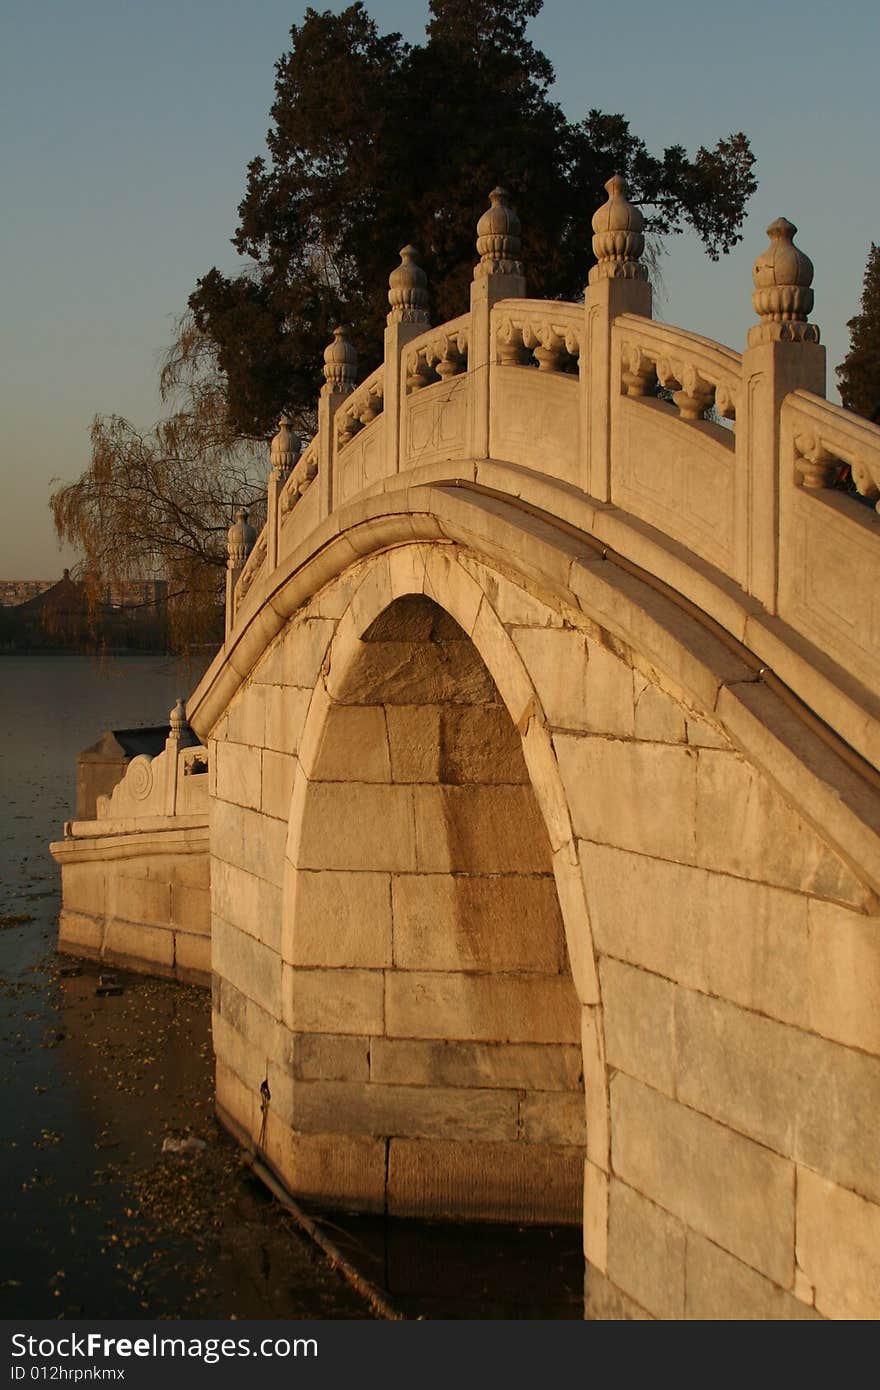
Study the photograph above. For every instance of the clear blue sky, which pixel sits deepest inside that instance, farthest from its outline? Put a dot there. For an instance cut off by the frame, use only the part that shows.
(126, 129)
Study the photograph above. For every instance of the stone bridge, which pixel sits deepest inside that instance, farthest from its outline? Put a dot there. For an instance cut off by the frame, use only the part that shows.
(541, 813)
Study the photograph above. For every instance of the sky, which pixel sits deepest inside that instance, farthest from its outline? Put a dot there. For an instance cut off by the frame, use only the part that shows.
(126, 129)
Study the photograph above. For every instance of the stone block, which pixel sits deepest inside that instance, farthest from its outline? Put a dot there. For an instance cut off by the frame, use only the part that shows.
(721, 1288)
(247, 902)
(844, 975)
(191, 908)
(503, 660)
(809, 1099)
(304, 645)
(577, 930)
(703, 735)
(354, 746)
(326, 1057)
(414, 742)
(279, 770)
(239, 774)
(472, 922)
(341, 919)
(192, 957)
(246, 717)
(725, 936)
(478, 743)
(838, 1247)
(596, 1186)
(657, 717)
(347, 1170)
(140, 900)
(514, 605)
(286, 710)
(192, 869)
(549, 793)
(605, 1302)
(252, 967)
(596, 1087)
(357, 826)
(455, 1181)
(489, 1008)
(238, 1054)
(493, 830)
(637, 796)
(125, 941)
(744, 827)
(450, 585)
(336, 1001)
(417, 1112)
(85, 888)
(639, 1013)
(267, 1035)
(79, 932)
(557, 662)
(728, 1188)
(231, 1003)
(553, 1117)
(512, 1066)
(234, 1100)
(248, 840)
(646, 1252)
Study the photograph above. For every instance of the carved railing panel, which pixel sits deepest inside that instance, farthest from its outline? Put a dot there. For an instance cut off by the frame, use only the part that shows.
(364, 405)
(437, 355)
(536, 332)
(698, 371)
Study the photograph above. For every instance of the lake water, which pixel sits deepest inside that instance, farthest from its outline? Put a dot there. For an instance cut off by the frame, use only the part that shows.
(97, 1221)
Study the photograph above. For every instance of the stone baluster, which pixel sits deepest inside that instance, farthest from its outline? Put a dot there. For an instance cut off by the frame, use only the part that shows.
(284, 452)
(618, 284)
(783, 355)
(180, 735)
(498, 275)
(407, 318)
(340, 375)
(239, 544)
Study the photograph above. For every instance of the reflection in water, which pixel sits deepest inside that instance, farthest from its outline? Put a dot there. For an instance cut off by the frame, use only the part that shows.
(98, 1221)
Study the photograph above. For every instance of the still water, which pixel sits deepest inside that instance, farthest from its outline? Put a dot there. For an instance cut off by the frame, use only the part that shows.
(96, 1221)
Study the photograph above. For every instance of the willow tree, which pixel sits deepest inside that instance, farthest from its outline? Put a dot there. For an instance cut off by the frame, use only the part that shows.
(376, 143)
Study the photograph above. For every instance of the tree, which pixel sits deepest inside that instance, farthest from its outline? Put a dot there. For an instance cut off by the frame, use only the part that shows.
(374, 143)
(859, 373)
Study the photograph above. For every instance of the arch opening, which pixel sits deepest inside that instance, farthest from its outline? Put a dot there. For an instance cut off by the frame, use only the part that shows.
(436, 1047)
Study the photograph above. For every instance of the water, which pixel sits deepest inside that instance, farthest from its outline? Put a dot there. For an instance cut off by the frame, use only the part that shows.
(97, 1221)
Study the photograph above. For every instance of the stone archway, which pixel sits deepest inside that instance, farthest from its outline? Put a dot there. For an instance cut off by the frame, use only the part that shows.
(436, 1033)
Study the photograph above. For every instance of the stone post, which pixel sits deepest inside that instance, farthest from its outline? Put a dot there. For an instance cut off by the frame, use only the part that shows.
(180, 736)
(783, 355)
(618, 284)
(239, 544)
(340, 368)
(407, 319)
(499, 275)
(284, 451)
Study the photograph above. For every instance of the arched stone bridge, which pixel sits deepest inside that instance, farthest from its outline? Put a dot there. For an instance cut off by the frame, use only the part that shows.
(543, 753)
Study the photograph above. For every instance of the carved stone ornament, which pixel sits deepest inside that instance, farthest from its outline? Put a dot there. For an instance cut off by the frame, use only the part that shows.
(408, 290)
(498, 239)
(340, 363)
(782, 297)
(618, 239)
(638, 375)
(240, 539)
(813, 463)
(285, 448)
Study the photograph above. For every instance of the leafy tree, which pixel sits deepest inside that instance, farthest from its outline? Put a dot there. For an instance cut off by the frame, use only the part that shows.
(374, 143)
(859, 373)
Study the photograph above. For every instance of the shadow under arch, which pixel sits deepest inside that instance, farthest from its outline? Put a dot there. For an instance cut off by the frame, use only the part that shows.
(491, 1029)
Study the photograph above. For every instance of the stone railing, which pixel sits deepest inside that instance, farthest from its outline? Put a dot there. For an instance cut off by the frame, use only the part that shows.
(699, 372)
(437, 355)
(363, 406)
(537, 332)
(558, 405)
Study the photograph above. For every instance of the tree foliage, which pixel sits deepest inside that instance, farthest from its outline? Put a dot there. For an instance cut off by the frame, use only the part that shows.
(376, 143)
(859, 373)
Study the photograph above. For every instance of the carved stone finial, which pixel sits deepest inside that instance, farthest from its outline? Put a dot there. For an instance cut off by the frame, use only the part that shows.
(340, 363)
(782, 298)
(177, 718)
(408, 290)
(240, 539)
(618, 239)
(498, 239)
(285, 448)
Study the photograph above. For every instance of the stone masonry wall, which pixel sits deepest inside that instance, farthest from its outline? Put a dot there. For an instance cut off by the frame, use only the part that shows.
(726, 959)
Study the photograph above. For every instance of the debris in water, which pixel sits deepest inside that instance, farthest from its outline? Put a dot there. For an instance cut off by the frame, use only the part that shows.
(172, 1145)
(108, 984)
